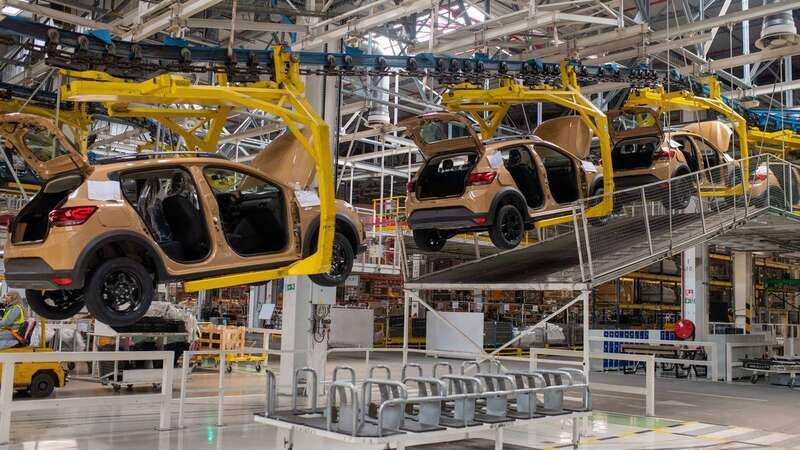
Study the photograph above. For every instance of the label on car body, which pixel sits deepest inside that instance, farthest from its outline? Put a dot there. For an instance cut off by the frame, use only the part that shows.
(495, 160)
(306, 199)
(104, 190)
(588, 166)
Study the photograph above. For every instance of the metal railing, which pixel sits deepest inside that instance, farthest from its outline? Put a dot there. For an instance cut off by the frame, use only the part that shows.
(665, 217)
(8, 405)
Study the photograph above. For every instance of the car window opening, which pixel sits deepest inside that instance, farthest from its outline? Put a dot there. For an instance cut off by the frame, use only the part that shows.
(252, 211)
(446, 175)
(519, 164)
(168, 203)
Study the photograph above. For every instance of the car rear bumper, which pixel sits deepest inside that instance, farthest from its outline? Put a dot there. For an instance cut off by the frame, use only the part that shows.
(454, 217)
(34, 273)
(634, 181)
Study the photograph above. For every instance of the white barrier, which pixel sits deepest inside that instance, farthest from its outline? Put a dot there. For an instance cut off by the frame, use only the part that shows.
(8, 405)
(649, 391)
(220, 389)
(712, 352)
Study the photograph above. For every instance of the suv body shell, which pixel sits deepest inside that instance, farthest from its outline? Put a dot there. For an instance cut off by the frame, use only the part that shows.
(67, 252)
(695, 147)
(479, 203)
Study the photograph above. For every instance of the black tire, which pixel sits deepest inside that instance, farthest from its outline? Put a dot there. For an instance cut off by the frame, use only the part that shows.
(71, 366)
(228, 369)
(42, 385)
(119, 292)
(258, 367)
(430, 240)
(776, 197)
(598, 221)
(681, 193)
(508, 228)
(55, 305)
(341, 263)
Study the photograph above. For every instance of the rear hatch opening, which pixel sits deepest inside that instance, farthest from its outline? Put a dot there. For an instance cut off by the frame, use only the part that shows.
(32, 223)
(636, 153)
(445, 175)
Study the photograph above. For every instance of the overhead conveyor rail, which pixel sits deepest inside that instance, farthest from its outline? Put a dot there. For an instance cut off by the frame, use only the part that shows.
(649, 223)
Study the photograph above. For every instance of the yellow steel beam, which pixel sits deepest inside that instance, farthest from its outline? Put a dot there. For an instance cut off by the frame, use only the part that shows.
(776, 142)
(282, 97)
(489, 106)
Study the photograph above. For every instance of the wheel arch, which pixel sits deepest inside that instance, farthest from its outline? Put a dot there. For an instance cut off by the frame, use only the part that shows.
(343, 225)
(120, 242)
(509, 195)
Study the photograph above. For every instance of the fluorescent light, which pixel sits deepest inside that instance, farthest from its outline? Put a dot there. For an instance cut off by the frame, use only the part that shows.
(10, 11)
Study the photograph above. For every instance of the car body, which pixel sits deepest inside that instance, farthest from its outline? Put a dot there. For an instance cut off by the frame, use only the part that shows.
(159, 219)
(643, 153)
(500, 186)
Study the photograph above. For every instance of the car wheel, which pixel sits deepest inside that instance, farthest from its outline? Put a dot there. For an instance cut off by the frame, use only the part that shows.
(342, 259)
(681, 194)
(42, 385)
(430, 240)
(508, 228)
(777, 198)
(598, 221)
(119, 292)
(55, 305)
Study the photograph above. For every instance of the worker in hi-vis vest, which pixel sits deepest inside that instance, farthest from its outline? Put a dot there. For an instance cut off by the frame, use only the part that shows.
(13, 318)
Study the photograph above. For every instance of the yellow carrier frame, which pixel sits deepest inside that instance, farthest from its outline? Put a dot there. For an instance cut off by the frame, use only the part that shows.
(282, 97)
(667, 102)
(489, 106)
(778, 143)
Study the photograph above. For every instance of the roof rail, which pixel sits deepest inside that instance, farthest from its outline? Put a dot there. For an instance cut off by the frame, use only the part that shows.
(154, 155)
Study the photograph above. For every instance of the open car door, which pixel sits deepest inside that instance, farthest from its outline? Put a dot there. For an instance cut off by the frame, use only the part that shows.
(439, 133)
(714, 131)
(570, 133)
(42, 145)
(637, 121)
(286, 159)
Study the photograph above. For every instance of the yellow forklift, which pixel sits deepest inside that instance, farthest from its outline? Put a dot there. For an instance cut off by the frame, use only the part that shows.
(38, 379)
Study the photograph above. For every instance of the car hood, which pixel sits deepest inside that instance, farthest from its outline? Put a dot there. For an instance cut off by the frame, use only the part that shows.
(285, 159)
(714, 131)
(570, 133)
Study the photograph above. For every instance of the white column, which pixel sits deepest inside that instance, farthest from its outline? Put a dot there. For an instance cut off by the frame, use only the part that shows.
(300, 297)
(695, 289)
(742, 288)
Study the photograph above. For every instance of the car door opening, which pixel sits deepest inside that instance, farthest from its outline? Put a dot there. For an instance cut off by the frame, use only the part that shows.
(252, 211)
(519, 163)
(168, 203)
(562, 176)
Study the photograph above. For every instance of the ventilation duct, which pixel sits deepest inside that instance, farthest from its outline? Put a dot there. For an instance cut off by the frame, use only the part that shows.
(378, 89)
(779, 30)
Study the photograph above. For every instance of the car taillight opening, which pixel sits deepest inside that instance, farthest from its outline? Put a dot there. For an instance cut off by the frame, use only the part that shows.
(665, 155)
(411, 186)
(66, 217)
(477, 178)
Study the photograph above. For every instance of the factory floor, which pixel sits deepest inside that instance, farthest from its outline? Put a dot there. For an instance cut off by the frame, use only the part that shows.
(691, 414)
